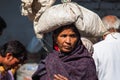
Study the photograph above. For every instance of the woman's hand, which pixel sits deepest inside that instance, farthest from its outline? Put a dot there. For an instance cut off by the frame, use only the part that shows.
(59, 77)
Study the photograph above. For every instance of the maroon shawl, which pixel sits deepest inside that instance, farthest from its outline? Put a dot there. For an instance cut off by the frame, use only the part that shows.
(77, 65)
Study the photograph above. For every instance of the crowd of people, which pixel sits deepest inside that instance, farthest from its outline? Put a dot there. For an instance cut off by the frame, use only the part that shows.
(72, 58)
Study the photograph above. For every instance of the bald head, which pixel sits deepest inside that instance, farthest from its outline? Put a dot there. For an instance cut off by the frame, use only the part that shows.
(111, 21)
(110, 18)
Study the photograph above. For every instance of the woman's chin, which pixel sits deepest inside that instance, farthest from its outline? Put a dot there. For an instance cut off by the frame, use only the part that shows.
(66, 50)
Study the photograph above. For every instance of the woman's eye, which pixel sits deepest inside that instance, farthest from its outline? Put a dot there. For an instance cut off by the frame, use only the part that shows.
(73, 36)
(63, 35)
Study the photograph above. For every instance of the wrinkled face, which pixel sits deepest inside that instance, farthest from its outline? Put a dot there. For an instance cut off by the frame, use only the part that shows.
(66, 40)
(10, 62)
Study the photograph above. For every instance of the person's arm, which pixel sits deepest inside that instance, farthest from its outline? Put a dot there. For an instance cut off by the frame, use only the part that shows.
(60, 77)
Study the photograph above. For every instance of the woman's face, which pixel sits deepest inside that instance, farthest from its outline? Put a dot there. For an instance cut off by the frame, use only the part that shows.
(66, 40)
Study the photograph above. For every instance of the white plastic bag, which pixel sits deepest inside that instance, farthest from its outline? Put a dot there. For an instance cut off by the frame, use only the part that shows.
(26, 71)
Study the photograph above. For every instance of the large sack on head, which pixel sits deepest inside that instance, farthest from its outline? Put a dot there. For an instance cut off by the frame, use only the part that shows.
(62, 14)
(56, 16)
(92, 24)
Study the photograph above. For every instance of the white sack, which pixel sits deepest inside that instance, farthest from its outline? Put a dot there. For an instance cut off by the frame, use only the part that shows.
(92, 24)
(34, 8)
(67, 13)
(56, 16)
(88, 44)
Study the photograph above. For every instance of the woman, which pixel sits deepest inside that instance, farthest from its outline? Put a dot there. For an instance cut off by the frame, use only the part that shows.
(69, 58)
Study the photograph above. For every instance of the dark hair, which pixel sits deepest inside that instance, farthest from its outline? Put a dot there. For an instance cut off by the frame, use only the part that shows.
(69, 26)
(59, 30)
(16, 48)
(2, 24)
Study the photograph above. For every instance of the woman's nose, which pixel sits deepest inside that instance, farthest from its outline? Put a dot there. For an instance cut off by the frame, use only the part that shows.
(68, 39)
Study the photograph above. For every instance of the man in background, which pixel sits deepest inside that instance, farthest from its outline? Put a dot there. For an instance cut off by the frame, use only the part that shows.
(107, 52)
